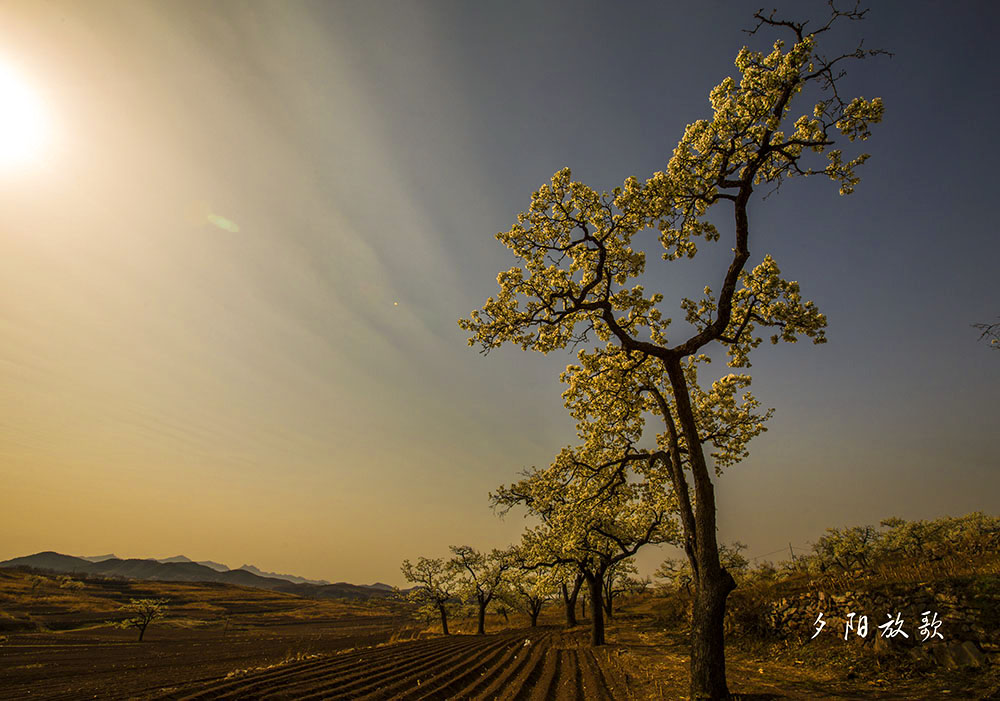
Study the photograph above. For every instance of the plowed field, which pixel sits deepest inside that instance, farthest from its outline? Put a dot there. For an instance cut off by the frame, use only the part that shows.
(519, 665)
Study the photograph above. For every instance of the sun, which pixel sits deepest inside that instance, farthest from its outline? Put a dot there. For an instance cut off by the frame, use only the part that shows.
(23, 122)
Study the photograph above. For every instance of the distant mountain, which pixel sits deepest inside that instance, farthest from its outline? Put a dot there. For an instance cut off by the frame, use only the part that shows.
(217, 566)
(379, 585)
(287, 577)
(187, 571)
(99, 558)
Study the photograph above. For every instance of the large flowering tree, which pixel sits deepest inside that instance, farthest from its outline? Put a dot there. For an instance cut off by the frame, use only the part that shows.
(577, 276)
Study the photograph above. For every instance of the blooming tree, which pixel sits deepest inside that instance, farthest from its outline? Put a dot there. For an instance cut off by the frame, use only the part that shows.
(529, 589)
(141, 612)
(577, 275)
(480, 576)
(617, 580)
(591, 519)
(436, 585)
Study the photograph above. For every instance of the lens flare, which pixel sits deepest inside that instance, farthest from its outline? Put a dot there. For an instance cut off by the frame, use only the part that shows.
(23, 121)
(223, 223)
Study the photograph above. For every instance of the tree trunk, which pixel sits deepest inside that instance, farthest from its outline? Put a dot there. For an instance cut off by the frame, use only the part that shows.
(608, 609)
(597, 617)
(583, 607)
(482, 619)
(570, 600)
(444, 619)
(708, 656)
(142, 632)
(712, 582)
(534, 615)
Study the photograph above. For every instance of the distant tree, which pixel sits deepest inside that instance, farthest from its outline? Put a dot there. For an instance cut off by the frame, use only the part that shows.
(678, 572)
(480, 576)
(38, 583)
(617, 580)
(435, 582)
(141, 612)
(67, 582)
(640, 585)
(847, 548)
(973, 534)
(529, 589)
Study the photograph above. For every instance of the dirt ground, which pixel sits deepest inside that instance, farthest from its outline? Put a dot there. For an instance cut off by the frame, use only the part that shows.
(552, 663)
(111, 664)
(763, 673)
(236, 643)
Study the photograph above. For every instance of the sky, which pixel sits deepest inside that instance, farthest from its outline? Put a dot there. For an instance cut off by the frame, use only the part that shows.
(231, 270)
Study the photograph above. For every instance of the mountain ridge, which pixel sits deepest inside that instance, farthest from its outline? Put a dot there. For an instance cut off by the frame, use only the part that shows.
(186, 570)
(289, 577)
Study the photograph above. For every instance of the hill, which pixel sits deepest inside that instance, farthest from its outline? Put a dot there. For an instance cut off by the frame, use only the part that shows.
(288, 577)
(217, 566)
(188, 571)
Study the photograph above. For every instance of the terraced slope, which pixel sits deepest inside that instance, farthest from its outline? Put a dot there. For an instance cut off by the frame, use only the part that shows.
(513, 666)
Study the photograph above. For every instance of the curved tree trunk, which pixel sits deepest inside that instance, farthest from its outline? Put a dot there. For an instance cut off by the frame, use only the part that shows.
(444, 618)
(142, 632)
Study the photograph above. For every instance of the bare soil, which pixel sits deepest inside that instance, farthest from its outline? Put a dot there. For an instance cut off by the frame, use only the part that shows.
(229, 642)
(528, 664)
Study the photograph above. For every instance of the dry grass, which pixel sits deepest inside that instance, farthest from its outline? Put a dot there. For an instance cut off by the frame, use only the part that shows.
(31, 601)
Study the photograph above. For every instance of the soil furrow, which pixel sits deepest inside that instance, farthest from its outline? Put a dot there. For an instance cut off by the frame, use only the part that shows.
(512, 678)
(520, 689)
(307, 673)
(358, 683)
(461, 679)
(376, 660)
(544, 687)
(218, 690)
(577, 682)
(515, 658)
(595, 686)
(410, 687)
(539, 687)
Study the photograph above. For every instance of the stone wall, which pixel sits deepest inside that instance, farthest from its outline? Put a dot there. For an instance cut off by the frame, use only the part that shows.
(968, 610)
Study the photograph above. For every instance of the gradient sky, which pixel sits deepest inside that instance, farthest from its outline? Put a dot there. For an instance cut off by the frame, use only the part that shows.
(229, 284)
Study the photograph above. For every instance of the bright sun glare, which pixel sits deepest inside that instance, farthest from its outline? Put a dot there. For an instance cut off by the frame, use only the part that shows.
(23, 122)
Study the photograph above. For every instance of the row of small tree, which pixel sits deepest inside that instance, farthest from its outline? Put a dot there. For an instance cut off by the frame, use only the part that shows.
(510, 578)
